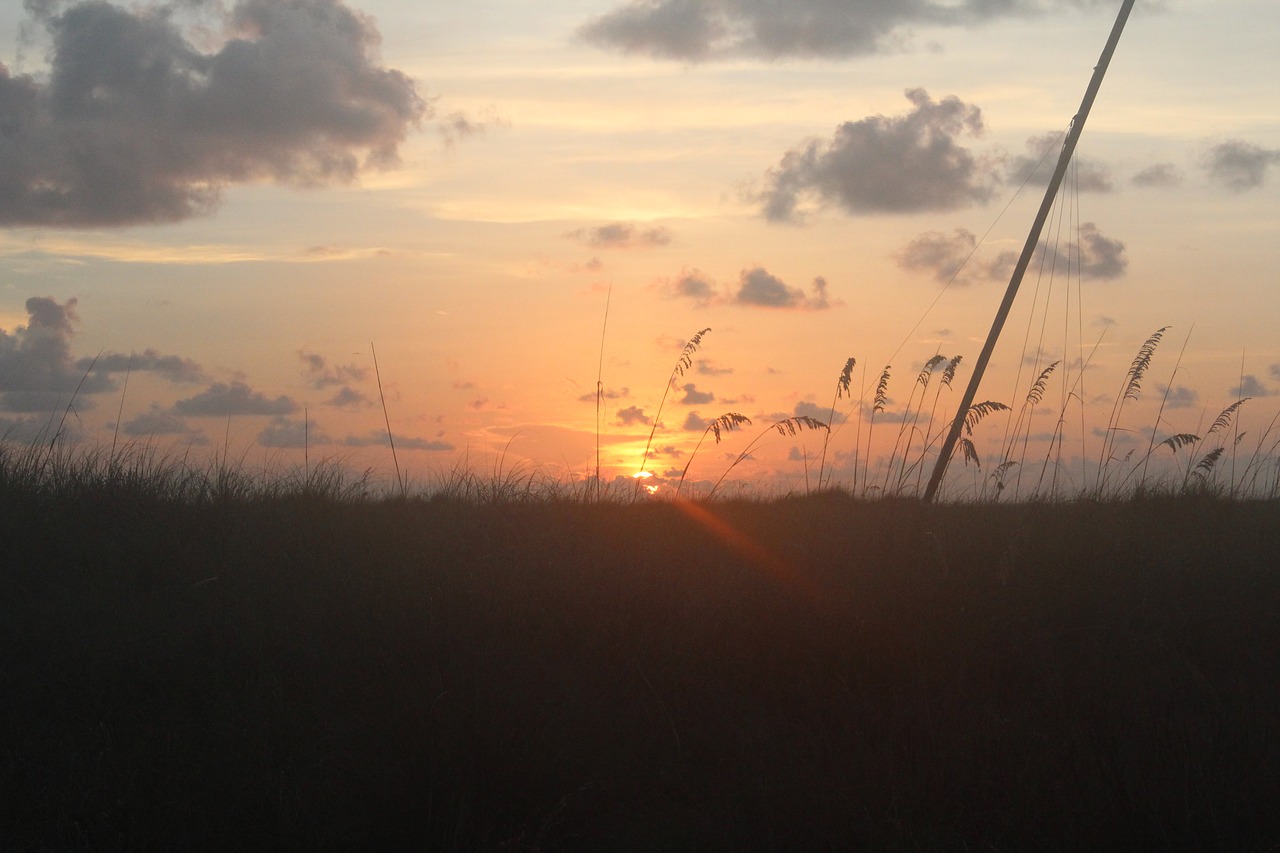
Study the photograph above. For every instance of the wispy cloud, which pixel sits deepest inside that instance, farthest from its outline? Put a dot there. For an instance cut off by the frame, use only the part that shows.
(622, 235)
(1158, 175)
(702, 30)
(378, 438)
(135, 123)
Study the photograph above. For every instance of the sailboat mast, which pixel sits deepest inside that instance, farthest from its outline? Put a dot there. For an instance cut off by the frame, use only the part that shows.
(1002, 314)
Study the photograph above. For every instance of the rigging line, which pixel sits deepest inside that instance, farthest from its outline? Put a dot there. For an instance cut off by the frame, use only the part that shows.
(1002, 313)
(1066, 333)
(981, 241)
(1068, 211)
(1007, 441)
(1049, 261)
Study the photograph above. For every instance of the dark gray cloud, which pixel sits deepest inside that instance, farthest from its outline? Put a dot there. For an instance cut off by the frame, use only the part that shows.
(38, 372)
(607, 394)
(694, 422)
(633, 415)
(758, 288)
(1037, 165)
(378, 438)
(694, 397)
(321, 374)
(1239, 165)
(882, 164)
(622, 235)
(707, 367)
(222, 400)
(1158, 175)
(937, 253)
(173, 368)
(695, 285)
(291, 433)
(1178, 396)
(155, 422)
(134, 122)
(951, 258)
(1100, 256)
(699, 30)
(806, 409)
(1250, 386)
(349, 399)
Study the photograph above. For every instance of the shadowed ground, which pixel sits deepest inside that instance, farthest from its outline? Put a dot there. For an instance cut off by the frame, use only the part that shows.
(811, 673)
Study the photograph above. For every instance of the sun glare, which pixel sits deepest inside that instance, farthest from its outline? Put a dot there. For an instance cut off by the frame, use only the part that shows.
(640, 476)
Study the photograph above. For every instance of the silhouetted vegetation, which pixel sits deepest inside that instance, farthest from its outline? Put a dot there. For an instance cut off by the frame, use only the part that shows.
(201, 660)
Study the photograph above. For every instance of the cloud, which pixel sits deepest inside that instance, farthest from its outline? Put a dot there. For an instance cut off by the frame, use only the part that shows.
(633, 415)
(812, 410)
(37, 371)
(321, 374)
(940, 254)
(1178, 396)
(900, 164)
(457, 125)
(349, 399)
(223, 400)
(707, 367)
(693, 422)
(1100, 256)
(1037, 165)
(694, 397)
(1158, 175)
(695, 285)
(378, 438)
(285, 433)
(622, 235)
(156, 421)
(608, 394)
(39, 374)
(700, 30)
(1239, 165)
(950, 257)
(135, 123)
(172, 368)
(1250, 386)
(758, 288)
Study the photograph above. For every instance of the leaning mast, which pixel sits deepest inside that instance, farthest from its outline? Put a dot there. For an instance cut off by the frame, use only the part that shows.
(1033, 238)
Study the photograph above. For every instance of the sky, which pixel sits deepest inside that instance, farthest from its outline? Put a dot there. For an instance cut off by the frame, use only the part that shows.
(270, 228)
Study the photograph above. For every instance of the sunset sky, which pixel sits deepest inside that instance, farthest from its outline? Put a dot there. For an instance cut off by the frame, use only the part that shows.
(229, 202)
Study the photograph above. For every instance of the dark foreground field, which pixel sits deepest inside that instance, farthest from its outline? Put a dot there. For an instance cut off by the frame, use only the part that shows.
(807, 674)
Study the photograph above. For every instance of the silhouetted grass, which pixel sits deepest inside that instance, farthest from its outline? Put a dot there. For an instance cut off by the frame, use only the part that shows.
(202, 659)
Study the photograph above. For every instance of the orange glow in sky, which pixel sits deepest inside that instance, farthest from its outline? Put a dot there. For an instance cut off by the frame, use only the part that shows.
(467, 187)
